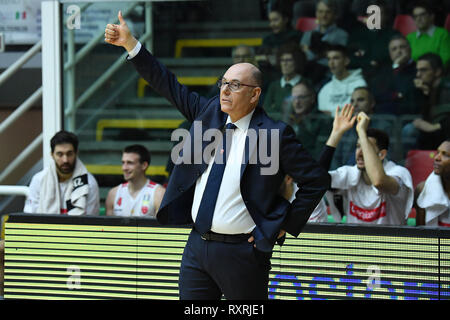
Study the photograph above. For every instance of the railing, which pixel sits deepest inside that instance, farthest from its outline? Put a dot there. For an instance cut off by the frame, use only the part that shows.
(72, 103)
(26, 105)
(14, 190)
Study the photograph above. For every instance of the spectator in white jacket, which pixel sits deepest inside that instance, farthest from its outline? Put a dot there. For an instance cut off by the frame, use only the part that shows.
(433, 201)
(338, 91)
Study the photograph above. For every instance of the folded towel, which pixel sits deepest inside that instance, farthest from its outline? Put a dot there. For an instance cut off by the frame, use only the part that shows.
(75, 195)
(433, 198)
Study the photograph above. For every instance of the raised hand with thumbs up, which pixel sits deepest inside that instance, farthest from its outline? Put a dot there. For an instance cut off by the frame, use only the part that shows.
(120, 35)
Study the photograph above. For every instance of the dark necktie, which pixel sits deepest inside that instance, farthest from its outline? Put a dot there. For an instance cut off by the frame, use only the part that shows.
(205, 213)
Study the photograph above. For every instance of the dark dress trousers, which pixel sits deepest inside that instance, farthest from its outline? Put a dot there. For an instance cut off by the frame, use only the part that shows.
(259, 191)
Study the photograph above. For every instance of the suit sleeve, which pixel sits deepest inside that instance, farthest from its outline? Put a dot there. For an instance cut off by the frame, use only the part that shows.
(312, 179)
(165, 83)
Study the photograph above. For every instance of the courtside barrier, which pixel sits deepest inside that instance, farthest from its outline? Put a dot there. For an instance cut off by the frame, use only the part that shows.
(61, 257)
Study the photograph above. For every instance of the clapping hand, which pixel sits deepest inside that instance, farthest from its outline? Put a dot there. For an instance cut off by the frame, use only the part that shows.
(362, 122)
(344, 119)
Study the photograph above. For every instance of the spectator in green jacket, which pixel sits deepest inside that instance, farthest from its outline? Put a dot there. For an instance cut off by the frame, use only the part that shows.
(291, 61)
(428, 37)
(311, 126)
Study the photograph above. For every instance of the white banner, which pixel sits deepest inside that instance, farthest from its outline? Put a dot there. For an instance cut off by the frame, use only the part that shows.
(20, 20)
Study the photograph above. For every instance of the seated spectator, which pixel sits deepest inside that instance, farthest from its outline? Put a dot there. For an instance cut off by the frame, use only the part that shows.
(315, 42)
(65, 186)
(363, 101)
(240, 53)
(367, 47)
(282, 34)
(309, 124)
(288, 189)
(291, 61)
(434, 124)
(433, 201)
(393, 85)
(243, 53)
(138, 196)
(270, 72)
(339, 89)
(375, 190)
(428, 37)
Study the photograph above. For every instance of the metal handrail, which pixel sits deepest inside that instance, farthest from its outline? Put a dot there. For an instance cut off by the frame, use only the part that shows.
(101, 80)
(15, 190)
(69, 66)
(20, 62)
(27, 104)
(93, 42)
(21, 157)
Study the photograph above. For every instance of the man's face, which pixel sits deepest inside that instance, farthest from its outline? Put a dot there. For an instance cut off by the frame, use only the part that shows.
(422, 18)
(132, 168)
(277, 22)
(302, 99)
(337, 62)
(361, 101)
(242, 54)
(325, 16)
(65, 157)
(399, 48)
(359, 157)
(442, 159)
(242, 101)
(425, 72)
(287, 64)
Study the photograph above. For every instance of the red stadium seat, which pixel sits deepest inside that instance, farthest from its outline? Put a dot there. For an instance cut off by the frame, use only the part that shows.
(306, 24)
(447, 23)
(405, 24)
(420, 164)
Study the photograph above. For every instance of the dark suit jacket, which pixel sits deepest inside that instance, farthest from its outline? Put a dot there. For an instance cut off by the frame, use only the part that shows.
(269, 210)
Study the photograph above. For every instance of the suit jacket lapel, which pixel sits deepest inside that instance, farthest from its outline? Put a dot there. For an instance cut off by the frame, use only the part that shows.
(217, 122)
(251, 141)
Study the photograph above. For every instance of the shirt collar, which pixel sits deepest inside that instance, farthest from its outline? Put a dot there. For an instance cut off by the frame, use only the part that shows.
(396, 65)
(292, 82)
(429, 32)
(244, 122)
(329, 29)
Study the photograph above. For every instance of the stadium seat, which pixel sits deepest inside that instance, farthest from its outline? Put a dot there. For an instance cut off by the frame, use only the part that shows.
(420, 164)
(405, 24)
(447, 23)
(211, 43)
(135, 123)
(306, 24)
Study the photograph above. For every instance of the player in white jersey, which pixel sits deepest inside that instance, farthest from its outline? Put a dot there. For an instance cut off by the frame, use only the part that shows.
(65, 186)
(433, 201)
(138, 196)
(289, 188)
(375, 190)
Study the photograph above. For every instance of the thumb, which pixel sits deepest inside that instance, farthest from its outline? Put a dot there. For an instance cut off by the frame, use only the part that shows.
(121, 20)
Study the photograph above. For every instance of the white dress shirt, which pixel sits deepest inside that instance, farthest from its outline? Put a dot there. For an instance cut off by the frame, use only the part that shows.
(230, 215)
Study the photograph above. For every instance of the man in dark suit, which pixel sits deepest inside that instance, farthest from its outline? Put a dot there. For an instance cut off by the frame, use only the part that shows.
(236, 210)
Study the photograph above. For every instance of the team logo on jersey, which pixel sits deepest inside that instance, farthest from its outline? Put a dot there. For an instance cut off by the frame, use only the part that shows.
(368, 215)
(119, 201)
(145, 204)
